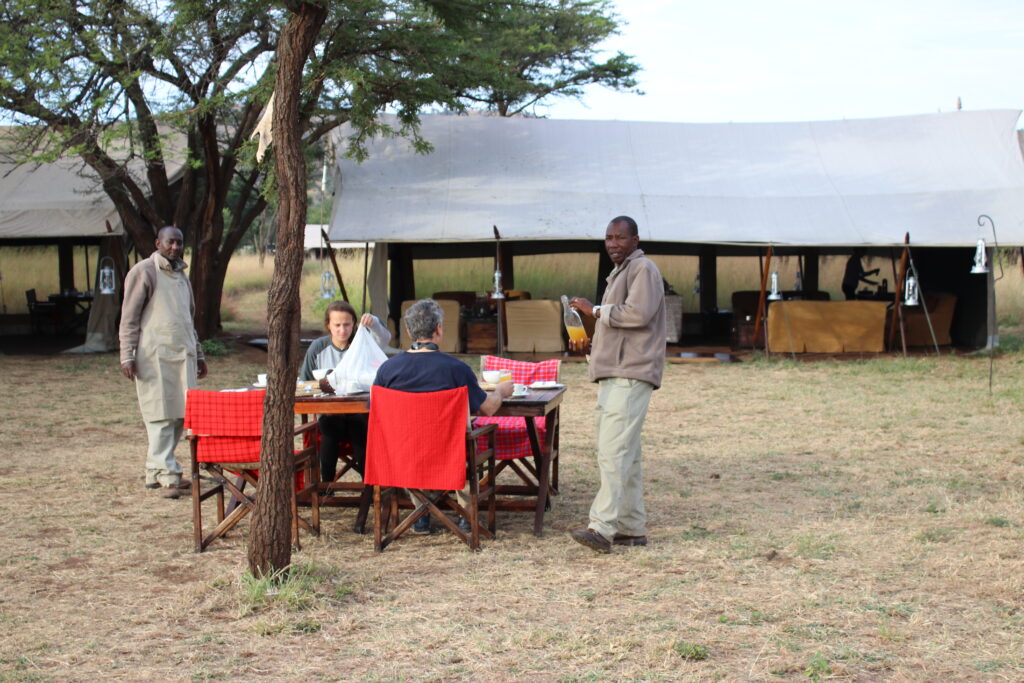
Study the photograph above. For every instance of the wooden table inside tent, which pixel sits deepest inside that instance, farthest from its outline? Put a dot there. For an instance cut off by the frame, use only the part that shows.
(536, 403)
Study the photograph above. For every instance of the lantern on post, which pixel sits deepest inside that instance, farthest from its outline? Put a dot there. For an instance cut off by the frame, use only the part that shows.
(327, 285)
(775, 294)
(911, 292)
(108, 281)
(980, 258)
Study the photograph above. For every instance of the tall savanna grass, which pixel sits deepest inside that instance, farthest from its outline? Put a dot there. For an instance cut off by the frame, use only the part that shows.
(545, 276)
(24, 268)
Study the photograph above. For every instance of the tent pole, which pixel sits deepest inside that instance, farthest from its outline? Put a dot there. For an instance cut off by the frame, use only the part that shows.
(366, 270)
(924, 305)
(897, 307)
(761, 302)
(334, 262)
(499, 293)
(812, 279)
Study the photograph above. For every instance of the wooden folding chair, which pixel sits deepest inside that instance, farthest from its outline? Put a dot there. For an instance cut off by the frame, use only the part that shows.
(343, 492)
(513, 450)
(225, 429)
(41, 313)
(420, 442)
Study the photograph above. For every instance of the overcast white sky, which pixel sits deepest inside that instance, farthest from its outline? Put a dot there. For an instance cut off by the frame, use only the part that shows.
(801, 60)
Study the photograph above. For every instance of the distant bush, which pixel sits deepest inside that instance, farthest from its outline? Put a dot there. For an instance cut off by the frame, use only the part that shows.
(214, 347)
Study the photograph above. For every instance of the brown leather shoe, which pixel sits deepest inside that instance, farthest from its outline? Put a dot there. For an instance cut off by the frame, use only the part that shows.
(185, 484)
(170, 492)
(622, 539)
(592, 540)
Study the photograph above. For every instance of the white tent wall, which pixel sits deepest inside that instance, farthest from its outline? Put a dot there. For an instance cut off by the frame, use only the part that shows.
(829, 183)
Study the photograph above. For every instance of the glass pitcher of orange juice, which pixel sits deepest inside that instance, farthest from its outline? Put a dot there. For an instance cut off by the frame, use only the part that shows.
(573, 324)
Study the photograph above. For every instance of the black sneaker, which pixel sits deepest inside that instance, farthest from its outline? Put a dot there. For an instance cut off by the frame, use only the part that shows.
(421, 527)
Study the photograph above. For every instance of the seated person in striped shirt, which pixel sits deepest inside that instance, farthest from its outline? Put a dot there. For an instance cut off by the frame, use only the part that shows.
(324, 354)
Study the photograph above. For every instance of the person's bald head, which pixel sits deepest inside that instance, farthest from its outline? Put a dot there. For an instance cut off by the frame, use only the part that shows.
(170, 242)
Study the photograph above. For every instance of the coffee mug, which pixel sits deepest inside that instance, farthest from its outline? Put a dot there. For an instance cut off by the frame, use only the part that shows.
(520, 390)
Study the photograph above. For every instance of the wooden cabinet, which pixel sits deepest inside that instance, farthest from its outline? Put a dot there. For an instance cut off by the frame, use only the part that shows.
(481, 335)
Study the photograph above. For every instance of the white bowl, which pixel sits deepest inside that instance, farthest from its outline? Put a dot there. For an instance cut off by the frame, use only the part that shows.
(320, 373)
(491, 376)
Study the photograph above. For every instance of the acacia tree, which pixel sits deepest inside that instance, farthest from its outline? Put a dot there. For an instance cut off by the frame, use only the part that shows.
(269, 538)
(159, 99)
(269, 534)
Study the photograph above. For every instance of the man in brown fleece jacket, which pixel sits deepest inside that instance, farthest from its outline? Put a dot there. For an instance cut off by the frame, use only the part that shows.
(627, 359)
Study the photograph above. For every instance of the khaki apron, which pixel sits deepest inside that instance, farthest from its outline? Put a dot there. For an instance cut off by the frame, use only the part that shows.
(165, 360)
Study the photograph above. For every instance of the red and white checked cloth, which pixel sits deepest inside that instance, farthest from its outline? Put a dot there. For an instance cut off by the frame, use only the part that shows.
(511, 440)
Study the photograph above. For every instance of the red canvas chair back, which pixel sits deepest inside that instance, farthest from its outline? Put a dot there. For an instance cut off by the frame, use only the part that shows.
(417, 440)
(525, 372)
(229, 423)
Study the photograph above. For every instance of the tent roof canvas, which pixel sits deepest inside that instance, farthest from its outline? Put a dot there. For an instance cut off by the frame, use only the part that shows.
(53, 200)
(827, 183)
(64, 198)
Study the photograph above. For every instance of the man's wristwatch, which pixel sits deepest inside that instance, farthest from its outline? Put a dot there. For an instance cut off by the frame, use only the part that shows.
(596, 310)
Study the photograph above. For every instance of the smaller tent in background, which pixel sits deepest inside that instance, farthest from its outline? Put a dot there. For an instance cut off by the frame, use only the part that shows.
(62, 203)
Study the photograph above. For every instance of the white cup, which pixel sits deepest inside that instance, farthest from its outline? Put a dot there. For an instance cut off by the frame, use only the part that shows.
(261, 379)
(320, 373)
(520, 390)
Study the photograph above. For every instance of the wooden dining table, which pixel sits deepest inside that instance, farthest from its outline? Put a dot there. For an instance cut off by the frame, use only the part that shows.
(535, 403)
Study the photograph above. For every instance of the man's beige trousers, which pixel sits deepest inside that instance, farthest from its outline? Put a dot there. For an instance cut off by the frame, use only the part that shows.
(161, 467)
(619, 504)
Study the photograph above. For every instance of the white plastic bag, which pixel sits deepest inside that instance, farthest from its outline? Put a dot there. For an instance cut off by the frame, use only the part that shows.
(358, 367)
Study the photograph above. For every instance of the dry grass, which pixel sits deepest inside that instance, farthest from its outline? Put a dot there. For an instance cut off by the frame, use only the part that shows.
(861, 520)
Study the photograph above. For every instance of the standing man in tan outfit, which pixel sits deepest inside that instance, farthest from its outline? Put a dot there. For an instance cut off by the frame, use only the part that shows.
(626, 360)
(160, 352)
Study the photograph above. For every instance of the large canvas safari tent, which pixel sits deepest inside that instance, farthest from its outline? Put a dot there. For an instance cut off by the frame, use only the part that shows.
(709, 190)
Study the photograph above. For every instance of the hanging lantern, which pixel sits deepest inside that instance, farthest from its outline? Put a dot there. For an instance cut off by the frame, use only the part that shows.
(911, 292)
(980, 259)
(498, 294)
(108, 283)
(327, 285)
(775, 294)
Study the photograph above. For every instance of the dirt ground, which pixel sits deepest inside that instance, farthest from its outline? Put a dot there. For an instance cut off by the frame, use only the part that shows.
(833, 520)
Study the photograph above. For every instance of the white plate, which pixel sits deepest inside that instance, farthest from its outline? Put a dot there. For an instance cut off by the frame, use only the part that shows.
(545, 385)
(259, 386)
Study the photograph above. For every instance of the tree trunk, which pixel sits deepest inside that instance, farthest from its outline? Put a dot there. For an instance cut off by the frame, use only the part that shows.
(270, 532)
